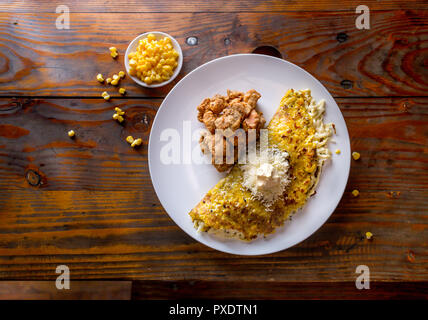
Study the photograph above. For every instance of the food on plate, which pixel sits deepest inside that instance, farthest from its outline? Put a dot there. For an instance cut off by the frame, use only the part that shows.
(257, 197)
(154, 60)
(267, 176)
(236, 110)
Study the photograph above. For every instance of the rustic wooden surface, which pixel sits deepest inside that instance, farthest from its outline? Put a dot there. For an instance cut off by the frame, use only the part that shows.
(89, 202)
(79, 290)
(389, 59)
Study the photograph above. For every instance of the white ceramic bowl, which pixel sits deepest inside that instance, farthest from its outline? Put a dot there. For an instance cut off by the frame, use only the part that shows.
(133, 47)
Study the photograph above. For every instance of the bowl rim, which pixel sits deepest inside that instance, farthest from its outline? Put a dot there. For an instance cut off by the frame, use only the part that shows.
(176, 46)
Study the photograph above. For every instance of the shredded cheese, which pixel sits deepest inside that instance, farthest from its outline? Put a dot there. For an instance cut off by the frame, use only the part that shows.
(266, 175)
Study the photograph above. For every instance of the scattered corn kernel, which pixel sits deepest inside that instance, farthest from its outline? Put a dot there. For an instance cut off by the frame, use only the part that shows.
(121, 74)
(122, 90)
(130, 139)
(120, 119)
(154, 60)
(108, 80)
(105, 95)
(337, 151)
(355, 193)
(115, 116)
(356, 155)
(119, 111)
(113, 52)
(136, 142)
(369, 235)
(100, 77)
(114, 82)
(115, 77)
(71, 133)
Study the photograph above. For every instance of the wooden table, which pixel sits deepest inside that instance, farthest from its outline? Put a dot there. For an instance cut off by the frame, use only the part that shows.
(89, 203)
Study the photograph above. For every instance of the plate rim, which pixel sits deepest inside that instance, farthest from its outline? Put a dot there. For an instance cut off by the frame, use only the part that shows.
(348, 167)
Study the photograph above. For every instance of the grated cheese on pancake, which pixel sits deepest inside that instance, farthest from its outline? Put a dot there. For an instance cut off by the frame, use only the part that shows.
(297, 128)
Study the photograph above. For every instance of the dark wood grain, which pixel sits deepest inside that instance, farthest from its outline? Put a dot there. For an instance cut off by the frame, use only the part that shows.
(146, 290)
(389, 59)
(79, 290)
(96, 210)
(204, 6)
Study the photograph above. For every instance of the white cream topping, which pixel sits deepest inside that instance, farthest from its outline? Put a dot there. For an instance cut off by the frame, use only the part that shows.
(267, 176)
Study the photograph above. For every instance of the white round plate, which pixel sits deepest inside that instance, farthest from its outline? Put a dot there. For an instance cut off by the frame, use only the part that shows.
(181, 186)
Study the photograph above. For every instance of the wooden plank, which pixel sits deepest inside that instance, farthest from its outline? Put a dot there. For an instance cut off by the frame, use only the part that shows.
(389, 59)
(257, 290)
(390, 133)
(140, 6)
(108, 161)
(97, 212)
(79, 290)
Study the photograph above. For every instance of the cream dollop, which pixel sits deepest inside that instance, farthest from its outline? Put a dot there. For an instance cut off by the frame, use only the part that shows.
(267, 175)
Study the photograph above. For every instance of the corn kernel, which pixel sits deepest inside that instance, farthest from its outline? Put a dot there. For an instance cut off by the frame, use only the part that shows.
(136, 142)
(108, 80)
(337, 151)
(356, 155)
(115, 77)
(151, 37)
(105, 95)
(369, 235)
(100, 77)
(112, 49)
(355, 193)
(122, 91)
(120, 119)
(114, 82)
(117, 109)
(167, 68)
(71, 133)
(115, 116)
(130, 139)
(121, 74)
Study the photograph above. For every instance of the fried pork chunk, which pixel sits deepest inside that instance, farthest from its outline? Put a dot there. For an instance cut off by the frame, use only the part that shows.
(228, 113)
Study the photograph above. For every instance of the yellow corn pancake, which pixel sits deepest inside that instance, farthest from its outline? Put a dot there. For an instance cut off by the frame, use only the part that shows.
(297, 128)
